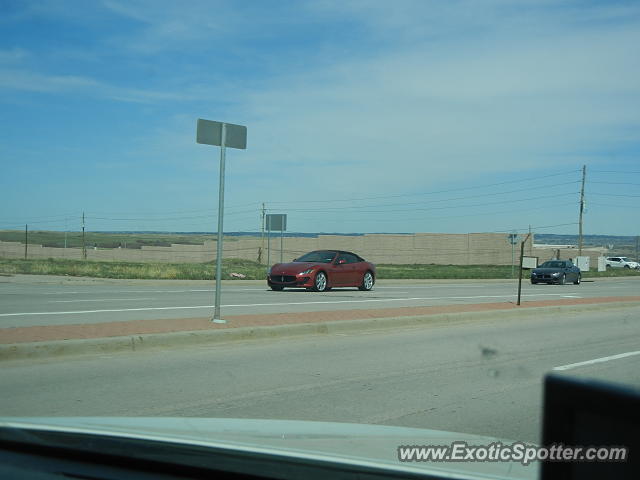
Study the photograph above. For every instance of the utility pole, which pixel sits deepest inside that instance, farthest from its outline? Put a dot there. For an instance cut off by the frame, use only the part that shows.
(637, 248)
(84, 246)
(584, 174)
(26, 240)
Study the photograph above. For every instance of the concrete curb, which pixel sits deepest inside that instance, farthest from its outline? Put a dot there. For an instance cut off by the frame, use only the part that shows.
(149, 342)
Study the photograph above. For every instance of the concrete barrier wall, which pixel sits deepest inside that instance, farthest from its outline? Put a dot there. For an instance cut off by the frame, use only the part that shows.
(421, 248)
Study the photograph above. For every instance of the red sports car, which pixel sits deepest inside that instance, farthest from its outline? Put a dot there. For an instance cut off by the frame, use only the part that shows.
(322, 270)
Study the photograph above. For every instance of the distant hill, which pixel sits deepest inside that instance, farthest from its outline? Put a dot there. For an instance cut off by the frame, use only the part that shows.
(588, 240)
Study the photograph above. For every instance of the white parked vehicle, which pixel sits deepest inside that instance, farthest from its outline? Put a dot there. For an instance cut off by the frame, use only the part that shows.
(621, 262)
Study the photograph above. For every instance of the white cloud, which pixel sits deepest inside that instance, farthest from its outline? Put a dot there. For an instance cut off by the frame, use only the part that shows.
(12, 55)
(20, 79)
(445, 108)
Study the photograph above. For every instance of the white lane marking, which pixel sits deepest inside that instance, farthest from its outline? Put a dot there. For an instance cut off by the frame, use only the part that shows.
(571, 296)
(101, 300)
(596, 360)
(208, 290)
(274, 304)
(265, 288)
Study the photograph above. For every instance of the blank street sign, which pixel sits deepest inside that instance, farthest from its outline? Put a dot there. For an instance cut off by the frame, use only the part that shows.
(210, 133)
(277, 222)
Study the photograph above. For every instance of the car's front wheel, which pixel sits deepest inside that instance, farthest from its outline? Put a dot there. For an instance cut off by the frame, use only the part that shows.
(276, 288)
(320, 283)
(578, 279)
(367, 282)
(563, 279)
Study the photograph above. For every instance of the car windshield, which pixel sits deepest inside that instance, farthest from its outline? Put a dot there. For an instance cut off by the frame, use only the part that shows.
(318, 210)
(325, 256)
(553, 265)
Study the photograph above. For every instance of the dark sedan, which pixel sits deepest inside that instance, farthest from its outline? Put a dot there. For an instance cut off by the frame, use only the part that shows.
(556, 271)
(322, 270)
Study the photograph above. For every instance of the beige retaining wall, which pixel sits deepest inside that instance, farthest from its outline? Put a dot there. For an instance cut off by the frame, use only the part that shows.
(421, 248)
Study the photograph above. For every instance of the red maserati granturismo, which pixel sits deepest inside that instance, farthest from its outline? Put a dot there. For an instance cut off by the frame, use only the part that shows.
(322, 270)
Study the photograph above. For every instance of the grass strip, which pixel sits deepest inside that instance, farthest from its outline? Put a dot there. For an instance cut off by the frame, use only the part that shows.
(252, 270)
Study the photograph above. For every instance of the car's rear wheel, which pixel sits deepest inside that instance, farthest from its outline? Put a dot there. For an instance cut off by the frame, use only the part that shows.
(533, 282)
(367, 282)
(563, 279)
(276, 288)
(578, 278)
(320, 282)
(627, 266)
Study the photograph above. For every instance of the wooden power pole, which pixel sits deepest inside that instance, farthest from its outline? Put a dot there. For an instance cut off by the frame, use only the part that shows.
(584, 174)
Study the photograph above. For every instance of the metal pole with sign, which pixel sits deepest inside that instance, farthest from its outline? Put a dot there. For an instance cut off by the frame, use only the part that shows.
(513, 239)
(276, 221)
(222, 135)
(520, 271)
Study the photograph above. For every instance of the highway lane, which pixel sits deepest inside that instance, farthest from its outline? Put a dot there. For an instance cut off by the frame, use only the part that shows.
(25, 304)
(482, 376)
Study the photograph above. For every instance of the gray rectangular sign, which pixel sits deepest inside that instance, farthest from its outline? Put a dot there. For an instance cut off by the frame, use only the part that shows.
(210, 133)
(277, 222)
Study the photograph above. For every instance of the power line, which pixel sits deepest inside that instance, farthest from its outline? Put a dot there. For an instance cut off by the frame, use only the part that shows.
(176, 212)
(495, 212)
(435, 201)
(359, 208)
(616, 171)
(616, 183)
(612, 206)
(614, 195)
(162, 219)
(537, 227)
(430, 193)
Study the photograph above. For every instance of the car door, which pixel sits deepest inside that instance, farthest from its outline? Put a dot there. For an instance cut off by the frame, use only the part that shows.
(339, 272)
(344, 270)
(574, 272)
(354, 267)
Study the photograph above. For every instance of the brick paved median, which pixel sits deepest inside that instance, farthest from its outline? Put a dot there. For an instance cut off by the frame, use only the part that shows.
(140, 327)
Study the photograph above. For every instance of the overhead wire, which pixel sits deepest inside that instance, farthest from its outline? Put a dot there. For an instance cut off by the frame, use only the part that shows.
(429, 192)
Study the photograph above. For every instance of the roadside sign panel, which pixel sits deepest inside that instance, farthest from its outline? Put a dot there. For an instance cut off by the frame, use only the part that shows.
(277, 222)
(529, 262)
(209, 132)
(583, 263)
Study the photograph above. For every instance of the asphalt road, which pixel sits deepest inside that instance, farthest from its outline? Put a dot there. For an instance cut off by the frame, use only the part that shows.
(480, 376)
(27, 304)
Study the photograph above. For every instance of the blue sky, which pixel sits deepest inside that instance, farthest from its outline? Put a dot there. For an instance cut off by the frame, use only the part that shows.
(362, 116)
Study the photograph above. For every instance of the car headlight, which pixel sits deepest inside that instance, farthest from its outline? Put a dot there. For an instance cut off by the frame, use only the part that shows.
(306, 272)
(533, 274)
(555, 274)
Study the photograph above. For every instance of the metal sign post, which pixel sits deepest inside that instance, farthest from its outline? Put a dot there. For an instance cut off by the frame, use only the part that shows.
(216, 311)
(222, 135)
(520, 271)
(513, 239)
(276, 221)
